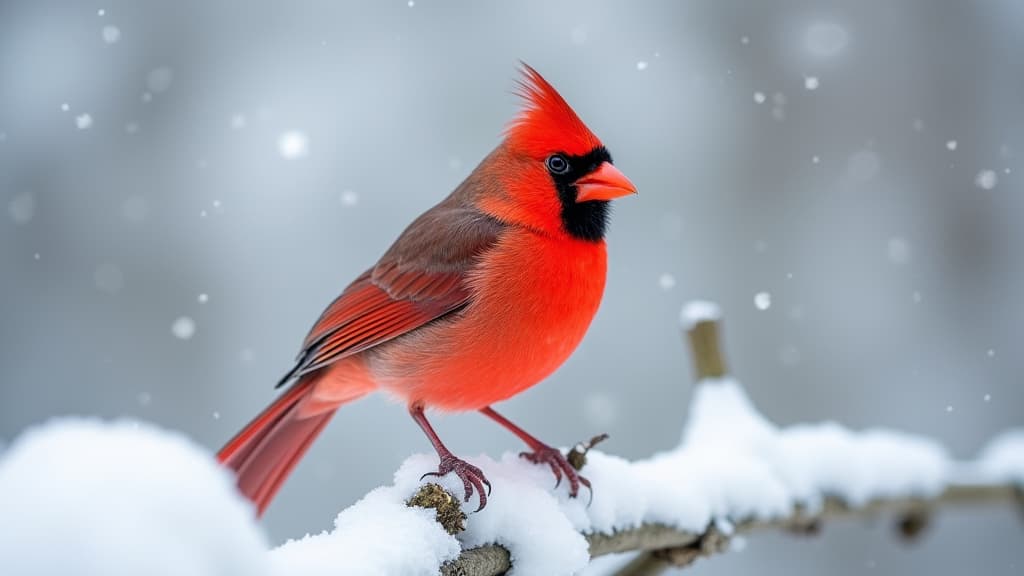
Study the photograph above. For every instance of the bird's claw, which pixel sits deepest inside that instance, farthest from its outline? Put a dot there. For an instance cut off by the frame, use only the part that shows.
(472, 477)
(560, 467)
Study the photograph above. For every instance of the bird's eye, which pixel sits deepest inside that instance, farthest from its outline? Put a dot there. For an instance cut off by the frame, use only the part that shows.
(557, 164)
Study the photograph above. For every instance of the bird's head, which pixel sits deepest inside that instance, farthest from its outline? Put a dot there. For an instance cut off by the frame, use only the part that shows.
(557, 176)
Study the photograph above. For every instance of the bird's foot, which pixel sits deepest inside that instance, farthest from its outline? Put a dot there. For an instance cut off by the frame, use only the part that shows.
(472, 477)
(560, 466)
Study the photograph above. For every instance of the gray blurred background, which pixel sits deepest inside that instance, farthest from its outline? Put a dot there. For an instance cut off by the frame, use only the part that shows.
(185, 185)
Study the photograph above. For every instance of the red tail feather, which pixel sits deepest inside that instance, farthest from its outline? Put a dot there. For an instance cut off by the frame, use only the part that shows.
(265, 451)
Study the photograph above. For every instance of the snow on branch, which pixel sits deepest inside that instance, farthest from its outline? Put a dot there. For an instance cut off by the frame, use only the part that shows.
(126, 498)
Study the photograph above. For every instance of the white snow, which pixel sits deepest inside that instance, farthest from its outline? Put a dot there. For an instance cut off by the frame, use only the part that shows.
(377, 535)
(183, 328)
(986, 179)
(293, 144)
(696, 311)
(111, 34)
(951, 145)
(759, 97)
(641, 65)
(825, 39)
(1002, 460)
(349, 198)
(118, 499)
(83, 121)
(126, 498)
(811, 82)
(666, 281)
(763, 300)
(203, 298)
(898, 250)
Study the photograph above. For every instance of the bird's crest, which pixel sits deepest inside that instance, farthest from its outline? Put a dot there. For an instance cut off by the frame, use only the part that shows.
(546, 123)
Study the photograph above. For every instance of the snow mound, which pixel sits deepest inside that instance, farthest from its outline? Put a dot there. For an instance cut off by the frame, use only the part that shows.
(124, 498)
(377, 535)
(697, 311)
(1002, 460)
(90, 498)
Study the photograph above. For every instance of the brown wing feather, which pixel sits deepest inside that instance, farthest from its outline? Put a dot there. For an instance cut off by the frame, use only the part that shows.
(420, 279)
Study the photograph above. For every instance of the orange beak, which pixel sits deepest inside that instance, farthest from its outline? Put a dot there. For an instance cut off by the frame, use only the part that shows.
(605, 183)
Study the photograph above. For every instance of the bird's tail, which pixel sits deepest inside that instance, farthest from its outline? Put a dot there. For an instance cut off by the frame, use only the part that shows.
(268, 448)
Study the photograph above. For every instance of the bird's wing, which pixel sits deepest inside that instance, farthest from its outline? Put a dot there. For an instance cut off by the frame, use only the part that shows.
(420, 279)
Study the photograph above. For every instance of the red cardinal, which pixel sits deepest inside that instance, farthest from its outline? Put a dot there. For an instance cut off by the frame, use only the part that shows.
(483, 296)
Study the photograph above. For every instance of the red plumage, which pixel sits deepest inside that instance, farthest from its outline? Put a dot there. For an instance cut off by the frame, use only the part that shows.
(481, 297)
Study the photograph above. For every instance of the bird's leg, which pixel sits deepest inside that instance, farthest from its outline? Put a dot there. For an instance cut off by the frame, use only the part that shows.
(542, 454)
(471, 476)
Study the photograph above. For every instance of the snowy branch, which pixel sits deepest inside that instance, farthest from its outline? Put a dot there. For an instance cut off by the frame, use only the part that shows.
(670, 547)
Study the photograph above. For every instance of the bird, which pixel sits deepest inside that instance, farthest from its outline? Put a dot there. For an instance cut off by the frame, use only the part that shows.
(483, 296)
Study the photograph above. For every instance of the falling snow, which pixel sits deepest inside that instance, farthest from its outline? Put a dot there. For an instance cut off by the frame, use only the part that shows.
(203, 298)
(292, 145)
(183, 328)
(898, 250)
(641, 65)
(811, 82)
(111, 34)
(238, 121)
(825, 39)
(349, 198)
(83, 121)
(667, 281)
(951, 145)
(986, 179)
(763, 300)
(759, 97)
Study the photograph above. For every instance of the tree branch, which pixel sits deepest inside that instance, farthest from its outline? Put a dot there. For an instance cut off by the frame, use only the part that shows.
(675, 547)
